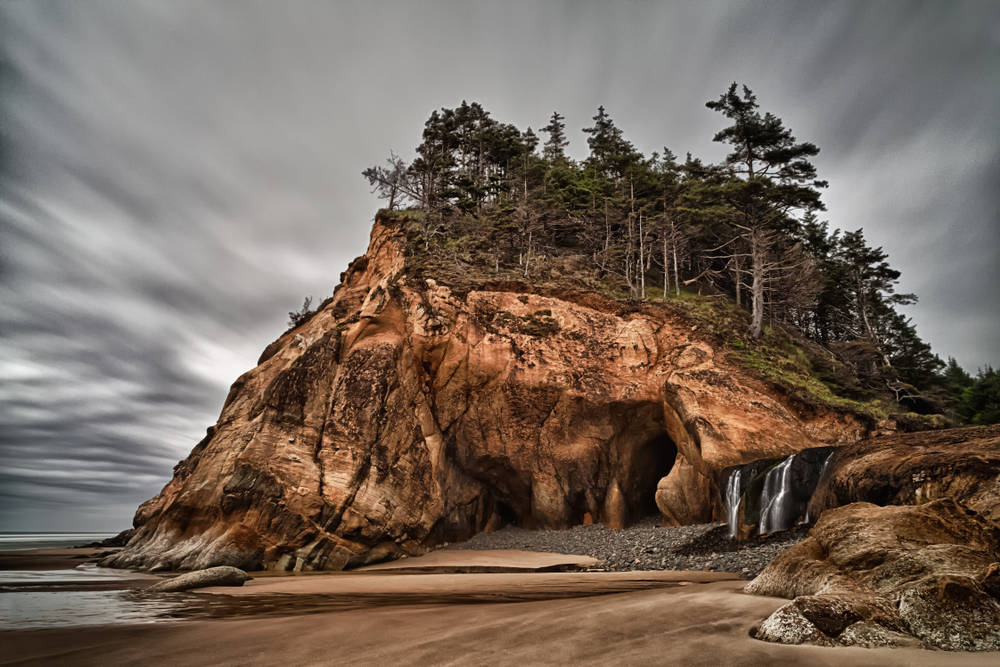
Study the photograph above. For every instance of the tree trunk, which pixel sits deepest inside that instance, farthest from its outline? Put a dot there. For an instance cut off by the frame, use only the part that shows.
(642, 261)
(677, 271)
(739, 276)
(757, 287)
(527, 257)
(666, 268)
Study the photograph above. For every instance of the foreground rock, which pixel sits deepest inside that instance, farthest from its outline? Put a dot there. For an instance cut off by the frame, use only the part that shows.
(213, 576)
(889, 576)
(406, 413)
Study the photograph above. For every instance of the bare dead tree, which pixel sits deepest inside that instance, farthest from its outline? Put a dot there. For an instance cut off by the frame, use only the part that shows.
(796, 284)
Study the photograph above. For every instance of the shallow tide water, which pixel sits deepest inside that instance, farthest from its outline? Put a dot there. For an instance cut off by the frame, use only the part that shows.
(35, 600)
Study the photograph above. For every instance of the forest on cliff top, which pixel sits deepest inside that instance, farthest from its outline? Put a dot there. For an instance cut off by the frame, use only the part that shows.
(738, 244)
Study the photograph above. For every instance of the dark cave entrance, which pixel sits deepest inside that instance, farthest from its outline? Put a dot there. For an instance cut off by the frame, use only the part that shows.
(507, 514)
(652, 463)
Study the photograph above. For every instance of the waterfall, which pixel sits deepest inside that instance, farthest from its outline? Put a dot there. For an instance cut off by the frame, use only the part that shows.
(775, 493)
(776, 498)
(733, 495)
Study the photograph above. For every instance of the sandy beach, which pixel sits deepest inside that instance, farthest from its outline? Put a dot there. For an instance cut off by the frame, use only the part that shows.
(448, 616)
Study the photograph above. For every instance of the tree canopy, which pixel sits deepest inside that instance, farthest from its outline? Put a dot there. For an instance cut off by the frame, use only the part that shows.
(744, 231)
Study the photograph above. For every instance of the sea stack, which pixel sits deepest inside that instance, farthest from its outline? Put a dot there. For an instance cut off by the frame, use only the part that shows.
(410, 411)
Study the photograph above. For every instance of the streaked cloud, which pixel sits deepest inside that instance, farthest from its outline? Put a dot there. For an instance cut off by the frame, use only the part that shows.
(176, 176)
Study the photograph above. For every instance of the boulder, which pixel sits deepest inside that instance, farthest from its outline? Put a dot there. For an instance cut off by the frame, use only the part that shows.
(213, 576)
(951, 612)
(685, 495)
(888, 576)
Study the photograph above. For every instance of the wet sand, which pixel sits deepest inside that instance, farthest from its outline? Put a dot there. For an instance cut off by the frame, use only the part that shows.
(512, 618)
(509, 560)
(699, 624)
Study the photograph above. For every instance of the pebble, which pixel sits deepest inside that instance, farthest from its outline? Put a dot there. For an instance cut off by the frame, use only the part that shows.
(647, 546)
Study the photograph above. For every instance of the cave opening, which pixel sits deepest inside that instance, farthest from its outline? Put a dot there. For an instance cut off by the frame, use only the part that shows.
(651, 463)
(508, 515)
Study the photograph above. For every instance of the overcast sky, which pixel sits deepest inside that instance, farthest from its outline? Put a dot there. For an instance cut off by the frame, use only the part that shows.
(177, 176)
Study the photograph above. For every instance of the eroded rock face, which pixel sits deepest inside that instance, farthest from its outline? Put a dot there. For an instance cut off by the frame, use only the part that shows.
(888, 576)
(407, 413)
(914, 468)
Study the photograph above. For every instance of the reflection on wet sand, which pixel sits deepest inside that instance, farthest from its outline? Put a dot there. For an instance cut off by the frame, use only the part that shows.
(382, 617)
(34, 600)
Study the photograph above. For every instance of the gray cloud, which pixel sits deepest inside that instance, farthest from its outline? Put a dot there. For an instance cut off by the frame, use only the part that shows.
(176, 176)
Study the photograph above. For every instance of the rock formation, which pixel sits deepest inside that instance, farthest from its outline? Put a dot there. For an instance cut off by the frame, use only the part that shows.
(898, 469)
(914, 468)
(406, 413)
(873, 576)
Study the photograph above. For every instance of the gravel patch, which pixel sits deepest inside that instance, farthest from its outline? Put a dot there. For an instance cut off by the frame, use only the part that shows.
(647, 546)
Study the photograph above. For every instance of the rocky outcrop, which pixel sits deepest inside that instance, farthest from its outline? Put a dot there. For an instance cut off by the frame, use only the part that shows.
(406, 413)
(913, 468)
(897, 469)
(889, 576)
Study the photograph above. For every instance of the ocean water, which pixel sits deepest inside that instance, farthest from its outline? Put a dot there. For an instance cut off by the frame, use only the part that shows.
(21, 541)
(32, 599)
(36, 610)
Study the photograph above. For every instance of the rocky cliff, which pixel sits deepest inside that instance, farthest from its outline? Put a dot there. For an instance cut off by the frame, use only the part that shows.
(916, 468)
(406, 413)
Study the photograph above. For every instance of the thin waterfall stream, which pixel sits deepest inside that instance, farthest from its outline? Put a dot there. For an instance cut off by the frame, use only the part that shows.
(777, 498)
(732, 501)
(774, 494)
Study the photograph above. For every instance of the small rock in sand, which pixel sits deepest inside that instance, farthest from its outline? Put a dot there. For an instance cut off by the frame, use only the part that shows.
(222, 575)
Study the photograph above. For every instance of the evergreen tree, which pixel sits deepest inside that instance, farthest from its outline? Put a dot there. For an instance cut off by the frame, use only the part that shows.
(774, 178)
(981, 401)
(554, 148)
(831, 318)
(610, 153)
(956, 379)
(873, 282)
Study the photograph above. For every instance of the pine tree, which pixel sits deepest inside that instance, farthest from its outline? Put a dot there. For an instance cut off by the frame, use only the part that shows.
(610, 153)
(982, 399)
(774, 177)
(955, 378)
(554, 148)
(872, 281)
